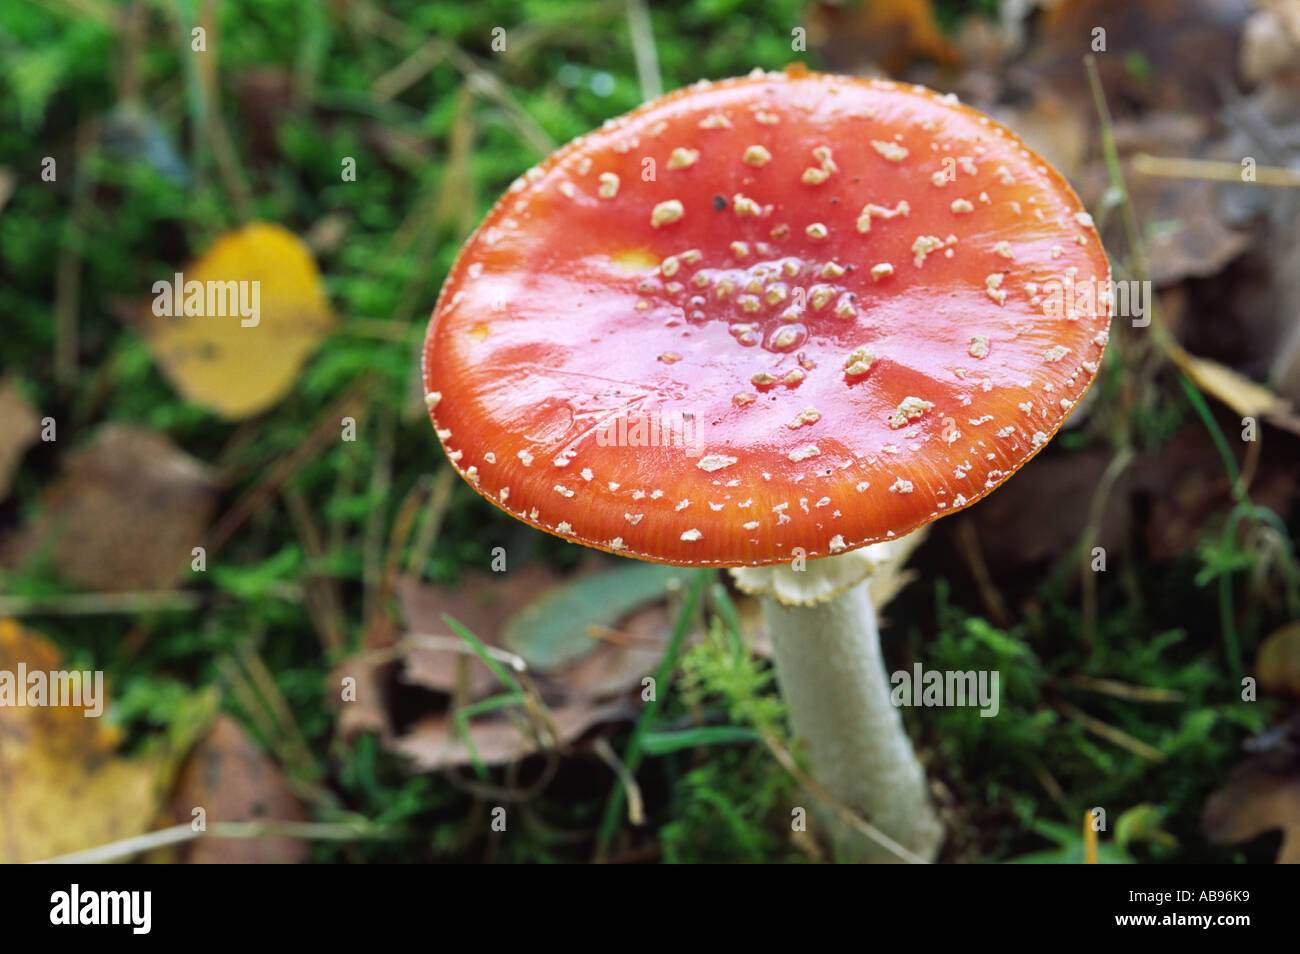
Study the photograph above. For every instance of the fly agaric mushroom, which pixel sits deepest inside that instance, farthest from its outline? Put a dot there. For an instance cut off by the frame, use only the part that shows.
(772, 320)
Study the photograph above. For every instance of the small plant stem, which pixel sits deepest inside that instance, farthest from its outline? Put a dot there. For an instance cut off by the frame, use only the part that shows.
(663, 676)
(1176, 167)
(643, 49)
(179, 834)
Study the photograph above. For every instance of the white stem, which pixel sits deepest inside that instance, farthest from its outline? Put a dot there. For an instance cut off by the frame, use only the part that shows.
(832, 677)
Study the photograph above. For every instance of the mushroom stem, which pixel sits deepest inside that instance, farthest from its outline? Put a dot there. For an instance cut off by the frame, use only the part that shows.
(832, 676)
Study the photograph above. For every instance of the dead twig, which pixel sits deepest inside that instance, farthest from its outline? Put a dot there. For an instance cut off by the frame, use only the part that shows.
(381, 482)
(260, 495)
(846, 815)
(431, 521)
(635, 804)
(1110, 733)
(1092, 530)
(1213, 170)
(323, 601)
(643, 50)
(67, 285)
(1124, 690)
(179, 834)
(968, 542)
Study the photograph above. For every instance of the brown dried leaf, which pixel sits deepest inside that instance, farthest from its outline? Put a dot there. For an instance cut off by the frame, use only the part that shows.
(366, 709)
(1260, 796)
(1184, 484)
(433, 743)
(1184, 236)
(482, 603)
(624, 657)
(891, 34)
(1043, 509)
(1159, 54)
(575, 697)
(1183, 233)
(232, 779)
(125, 514)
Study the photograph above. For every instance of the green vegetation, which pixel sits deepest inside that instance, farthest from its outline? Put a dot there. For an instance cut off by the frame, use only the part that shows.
(146, 182)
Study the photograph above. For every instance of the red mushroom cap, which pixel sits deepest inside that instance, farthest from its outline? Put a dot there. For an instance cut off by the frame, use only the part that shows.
(778, 312)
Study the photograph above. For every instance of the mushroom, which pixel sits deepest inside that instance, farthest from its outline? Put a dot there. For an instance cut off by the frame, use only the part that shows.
(775, 323)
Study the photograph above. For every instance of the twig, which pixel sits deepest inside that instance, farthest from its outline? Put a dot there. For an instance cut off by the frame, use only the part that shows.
(667, 665)
(100, 11)
(1051, 786)
(1092, 530)
(275, 703)
(344, 486)
(131, 26)
(431, 521)
(1213, 170)
(93, 604)
(241, 685)
(845, 814)
(381, 481)
(323, 602)
(1123, 690)
(223, 150)
(970, 549)
(67, 287)
(378, 328)
(408, 72)
(1121, 429)
(396, 32)
(617, 637)
(456, 203)
(1116, 173)
(323, 431)
(400, 535)
(1250, 465)
(244, 437)
(643, 50)
(178, 834)
(260, 710)
(507, 793)
(450, 644)
(635, 804)
(1110, 733)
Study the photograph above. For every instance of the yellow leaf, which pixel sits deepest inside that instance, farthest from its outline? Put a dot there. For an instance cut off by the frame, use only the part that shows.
(1237, 391)
(62, 787)
(1278, 660)
(238, 349)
